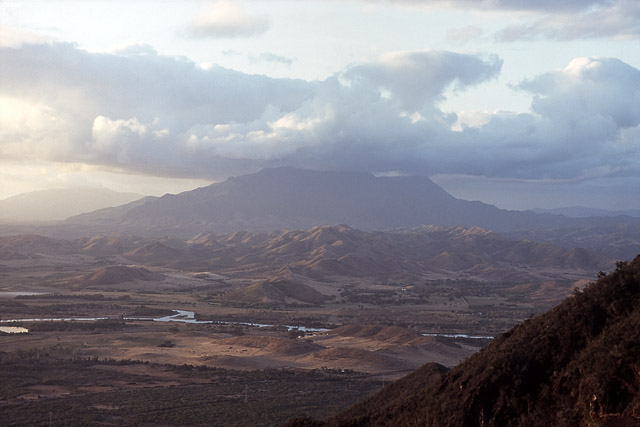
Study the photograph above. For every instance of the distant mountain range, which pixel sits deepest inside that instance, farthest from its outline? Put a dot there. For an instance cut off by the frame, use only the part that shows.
(59, 204)
(576, 365)
(328, 253)
(297, 199)
(289, 199)
(583, 212)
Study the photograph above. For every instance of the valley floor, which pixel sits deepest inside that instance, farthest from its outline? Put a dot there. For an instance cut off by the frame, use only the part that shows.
(264, 349)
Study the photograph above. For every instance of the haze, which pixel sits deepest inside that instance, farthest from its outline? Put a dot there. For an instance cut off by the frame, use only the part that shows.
(520, 106)
(416, 212)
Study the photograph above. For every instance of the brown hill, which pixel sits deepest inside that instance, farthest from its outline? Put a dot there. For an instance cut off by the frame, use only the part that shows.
(385, 334)
(354, 358)
(575, 365)
(158, 252)
(36, 245)
(108, 245)
(276, 291)
(620, 240)
(330, 251)
(273, 345)
(7, 255)
(116, 274)
(333, 254)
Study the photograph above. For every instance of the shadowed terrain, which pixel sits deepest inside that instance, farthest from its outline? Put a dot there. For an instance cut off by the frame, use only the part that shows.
(575, 365)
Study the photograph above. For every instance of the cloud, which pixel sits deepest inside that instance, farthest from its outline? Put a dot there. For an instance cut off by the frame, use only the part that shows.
(527, 5)
(62, 100)
(141, 112)
(465, 34)
(272, 58)
(564, 6)
(580, 126)
(548, 19)
(602, 19)
(587, 88)
(226, 19)
(415, 78)
(11, 36)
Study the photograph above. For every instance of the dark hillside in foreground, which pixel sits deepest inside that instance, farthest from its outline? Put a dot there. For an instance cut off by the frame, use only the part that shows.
(576, 365)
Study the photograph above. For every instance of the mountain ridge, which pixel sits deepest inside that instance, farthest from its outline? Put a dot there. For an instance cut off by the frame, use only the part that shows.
(574, 365)
(290, 198)
(323, 252)
(584, 212)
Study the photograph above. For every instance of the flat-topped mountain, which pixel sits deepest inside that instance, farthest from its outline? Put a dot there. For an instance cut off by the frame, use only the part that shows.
(289, 198)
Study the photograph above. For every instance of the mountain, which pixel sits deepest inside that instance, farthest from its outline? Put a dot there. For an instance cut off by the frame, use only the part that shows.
(276, 290)
(113, 275)
(326, 252)
(618, 239)
(584, 212)
(28, 246)
(289, 198)
(59, 204)
(574, 365)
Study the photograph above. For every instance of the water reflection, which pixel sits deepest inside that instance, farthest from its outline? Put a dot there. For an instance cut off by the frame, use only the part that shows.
(13, 330)
(13, 294)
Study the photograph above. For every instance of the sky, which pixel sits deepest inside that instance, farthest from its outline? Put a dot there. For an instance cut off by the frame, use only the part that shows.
(517, 103)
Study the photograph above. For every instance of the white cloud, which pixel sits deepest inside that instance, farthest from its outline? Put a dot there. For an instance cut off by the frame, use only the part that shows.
(548, 19)
(271, 57)
(226, 19)
(414, 79)
(465, 34)
(601, 19)
(562, 6)
(145, 113)
(117, 137)
(588, 89)
(11, 36)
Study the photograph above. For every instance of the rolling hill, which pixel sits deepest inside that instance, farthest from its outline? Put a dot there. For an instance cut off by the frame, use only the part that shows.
(270, 291)
(574, 365)
(326, 252)
(329, 252)
(113, 275)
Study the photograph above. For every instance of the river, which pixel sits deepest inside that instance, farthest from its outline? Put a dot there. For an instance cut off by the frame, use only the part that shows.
(186, 316)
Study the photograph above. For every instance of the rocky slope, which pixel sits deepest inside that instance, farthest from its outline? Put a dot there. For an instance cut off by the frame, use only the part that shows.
(326, 252)
(575, 365)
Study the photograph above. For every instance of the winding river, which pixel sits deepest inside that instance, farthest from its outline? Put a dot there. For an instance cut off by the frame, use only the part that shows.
(185, 316)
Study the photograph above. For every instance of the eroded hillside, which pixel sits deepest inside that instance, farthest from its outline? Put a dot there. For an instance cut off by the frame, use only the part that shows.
(575, 365)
